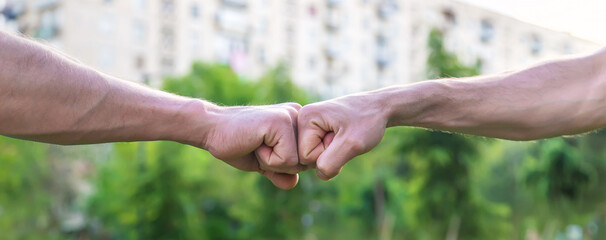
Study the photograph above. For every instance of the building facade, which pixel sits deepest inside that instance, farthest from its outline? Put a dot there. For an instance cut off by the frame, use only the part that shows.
(332, 47)
(500, 43)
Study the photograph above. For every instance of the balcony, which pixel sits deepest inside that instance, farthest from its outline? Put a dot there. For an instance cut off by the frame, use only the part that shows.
(232, 21)
(45, 4)
(236, 3)
(333, 20)
(332, 51)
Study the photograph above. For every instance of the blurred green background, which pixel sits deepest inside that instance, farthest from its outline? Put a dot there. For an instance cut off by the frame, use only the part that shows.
(416, 184)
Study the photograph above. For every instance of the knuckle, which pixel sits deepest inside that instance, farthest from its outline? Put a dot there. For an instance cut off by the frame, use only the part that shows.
(309, 110)
(293, 113)
(307, 161)
(290, 163)
(280, 163)
(306, 157)
(276, 162)
(327, 170)
(309, 147)
(280, 117)
(309, 153)
(294, 105)
(307, 114)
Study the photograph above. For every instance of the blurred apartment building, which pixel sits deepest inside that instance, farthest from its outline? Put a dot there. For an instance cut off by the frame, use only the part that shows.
(332, 47)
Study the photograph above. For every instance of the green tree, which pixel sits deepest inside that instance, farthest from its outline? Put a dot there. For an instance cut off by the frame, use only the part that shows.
(163, 190)
(444, 64)
(445, 199)
(415, 184)
(563, 178)
(25, 197)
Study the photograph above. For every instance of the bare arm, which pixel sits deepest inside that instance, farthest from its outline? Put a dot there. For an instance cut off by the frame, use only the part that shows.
(47, 97)
(561, 97)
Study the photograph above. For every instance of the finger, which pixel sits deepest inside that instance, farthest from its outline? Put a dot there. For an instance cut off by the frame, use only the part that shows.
(266, 156)
(293, 111)
(280, 151)
(282, 180)
(263, 152)
(336, 155)
(313, 140)
(328, 138)
(294, 105)
(294, 116)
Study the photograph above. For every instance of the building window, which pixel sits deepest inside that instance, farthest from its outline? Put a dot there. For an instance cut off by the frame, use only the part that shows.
(536, 45)
(387, 8)
(236, 3)
(381, 41)
(366, 23)
(195, 10)
(139, 5)
(140, 62)
(222, 49)
(567, 48)
(232, 20)
(168, 38)
(261, 56)
(167, 64)
(449, 16)
(11, 11)
(139, 31)
(334, 19)
(311, 63)
(194, 43)
(486, 31)
(49, 26)
(290, 35)
(106, 25)
(168, 6)
(262, 26)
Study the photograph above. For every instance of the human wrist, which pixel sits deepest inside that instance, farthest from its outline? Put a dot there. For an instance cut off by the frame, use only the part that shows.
(195, 121)
(412, 105)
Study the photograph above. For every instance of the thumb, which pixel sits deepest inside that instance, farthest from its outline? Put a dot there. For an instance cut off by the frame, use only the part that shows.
(336, 155)
(283, 181)
(314, 136)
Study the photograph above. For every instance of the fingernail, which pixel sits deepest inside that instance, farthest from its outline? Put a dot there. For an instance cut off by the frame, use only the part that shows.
(322, 176)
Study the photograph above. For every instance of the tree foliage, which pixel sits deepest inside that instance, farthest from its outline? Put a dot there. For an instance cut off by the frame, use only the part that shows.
(163, 190)
(416, 184)
(25, 199)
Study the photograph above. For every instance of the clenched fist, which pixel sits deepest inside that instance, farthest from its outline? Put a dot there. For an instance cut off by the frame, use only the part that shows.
(333, 132)
(257, 138)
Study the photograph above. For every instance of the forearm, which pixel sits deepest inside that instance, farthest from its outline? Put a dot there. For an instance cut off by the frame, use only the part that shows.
(557, 98)
(47, 97)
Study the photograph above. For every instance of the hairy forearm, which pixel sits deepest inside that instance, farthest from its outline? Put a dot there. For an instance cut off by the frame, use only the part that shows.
(560, 97)
(47, 97)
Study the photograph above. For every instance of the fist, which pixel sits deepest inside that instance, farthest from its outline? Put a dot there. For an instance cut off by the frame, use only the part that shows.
(333, 132)
(258, 138)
